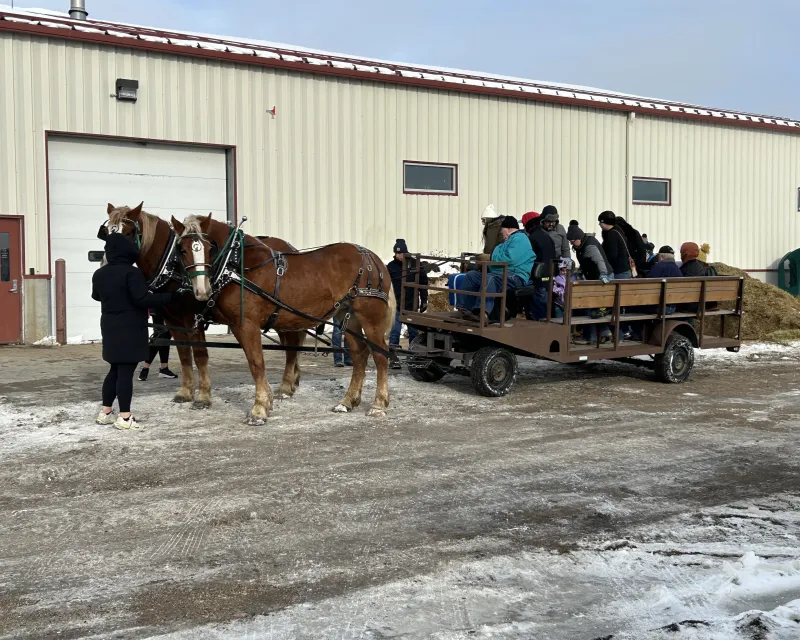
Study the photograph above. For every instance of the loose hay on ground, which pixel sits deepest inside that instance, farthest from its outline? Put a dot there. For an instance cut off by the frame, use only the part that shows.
(769, 313)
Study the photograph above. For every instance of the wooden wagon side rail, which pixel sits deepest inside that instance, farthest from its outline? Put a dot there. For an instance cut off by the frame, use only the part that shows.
(464, 260)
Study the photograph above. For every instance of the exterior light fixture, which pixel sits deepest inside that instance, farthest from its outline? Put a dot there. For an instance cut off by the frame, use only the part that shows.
(126, 89)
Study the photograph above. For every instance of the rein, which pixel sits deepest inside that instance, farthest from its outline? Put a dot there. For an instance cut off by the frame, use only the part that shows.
(222, 274)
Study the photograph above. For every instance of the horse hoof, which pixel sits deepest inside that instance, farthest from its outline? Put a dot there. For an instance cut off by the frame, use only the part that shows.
(340, 408)
(376, 413)
(201, 404)
(182, 399)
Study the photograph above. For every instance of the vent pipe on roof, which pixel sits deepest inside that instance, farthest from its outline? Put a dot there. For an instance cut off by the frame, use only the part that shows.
(77, 10)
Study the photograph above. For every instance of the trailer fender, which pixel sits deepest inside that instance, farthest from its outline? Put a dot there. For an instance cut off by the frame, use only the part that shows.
(678, 326)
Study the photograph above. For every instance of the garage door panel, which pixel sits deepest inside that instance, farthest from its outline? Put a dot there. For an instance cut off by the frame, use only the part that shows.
(96, 190)
(85, 175)
(102, 156)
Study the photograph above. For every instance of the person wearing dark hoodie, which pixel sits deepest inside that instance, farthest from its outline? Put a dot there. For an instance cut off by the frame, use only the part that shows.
(615, 246)
(549, 221)
(594, 266)
(395, 268)
(121, 290)
(545, 251)
(691, 267)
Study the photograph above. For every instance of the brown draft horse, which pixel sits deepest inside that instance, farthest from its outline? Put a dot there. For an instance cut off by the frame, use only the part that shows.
(154, 236)
(312, 282)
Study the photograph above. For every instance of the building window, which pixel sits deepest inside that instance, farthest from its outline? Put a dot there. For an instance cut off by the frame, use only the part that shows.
(433, 178)
(652, 191)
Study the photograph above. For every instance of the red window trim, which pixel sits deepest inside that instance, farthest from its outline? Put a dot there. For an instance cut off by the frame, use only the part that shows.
(430, 193)
(668, 203)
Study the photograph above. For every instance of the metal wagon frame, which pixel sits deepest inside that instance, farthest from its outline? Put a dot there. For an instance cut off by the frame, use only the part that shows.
(487, 351)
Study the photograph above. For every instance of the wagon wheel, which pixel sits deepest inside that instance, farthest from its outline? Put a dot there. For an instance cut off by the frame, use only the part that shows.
(493, 371)
(675, 364)
(434, 371)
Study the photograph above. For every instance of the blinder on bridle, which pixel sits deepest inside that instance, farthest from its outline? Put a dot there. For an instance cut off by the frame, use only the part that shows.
(106, 228)
(200, 268)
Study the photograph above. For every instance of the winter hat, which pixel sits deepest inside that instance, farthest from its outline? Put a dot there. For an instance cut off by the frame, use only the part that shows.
(667, 249)
(531, 215)
(550, 213)
(689, 251)
(573, 223)
(575, 233)
(509, 222)
(400, 246)
(489, 213)
(705, 249)
(607, 217)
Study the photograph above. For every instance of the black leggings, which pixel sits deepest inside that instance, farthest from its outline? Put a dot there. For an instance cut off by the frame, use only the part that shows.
(119, 384)
(162, 352)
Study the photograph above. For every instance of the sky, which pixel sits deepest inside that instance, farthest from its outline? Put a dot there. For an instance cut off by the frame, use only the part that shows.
(732, 54)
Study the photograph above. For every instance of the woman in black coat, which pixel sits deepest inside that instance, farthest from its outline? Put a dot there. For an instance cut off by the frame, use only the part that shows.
(122, 291)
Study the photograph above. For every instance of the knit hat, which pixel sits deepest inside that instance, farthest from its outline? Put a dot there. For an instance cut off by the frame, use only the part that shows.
(689, 251)
(531, 215)
(575, 233)
(607, 217)
(550, 213)
(667, 249)
(573, 223)
(400, 246)
(509, 222)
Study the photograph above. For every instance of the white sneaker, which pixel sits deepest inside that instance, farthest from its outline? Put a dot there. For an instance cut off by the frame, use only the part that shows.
(127, 425)
(105, 418)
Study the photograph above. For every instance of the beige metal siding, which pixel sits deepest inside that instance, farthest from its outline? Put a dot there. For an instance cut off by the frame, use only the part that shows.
(329, 166)
(732, 187)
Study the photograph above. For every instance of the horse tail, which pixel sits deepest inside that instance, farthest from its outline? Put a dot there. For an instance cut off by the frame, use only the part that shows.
(391, 310)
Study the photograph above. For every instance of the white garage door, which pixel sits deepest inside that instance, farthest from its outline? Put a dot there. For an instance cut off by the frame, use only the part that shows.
(87, 174)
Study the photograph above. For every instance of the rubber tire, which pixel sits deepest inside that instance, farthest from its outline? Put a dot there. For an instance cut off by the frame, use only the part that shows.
(487, 364)
(678, 351)
(433, 373)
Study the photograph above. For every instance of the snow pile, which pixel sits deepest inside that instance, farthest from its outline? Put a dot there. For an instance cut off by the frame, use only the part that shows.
(47, 341)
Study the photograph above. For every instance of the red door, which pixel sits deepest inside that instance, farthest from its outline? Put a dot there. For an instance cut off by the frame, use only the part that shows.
(10, 280)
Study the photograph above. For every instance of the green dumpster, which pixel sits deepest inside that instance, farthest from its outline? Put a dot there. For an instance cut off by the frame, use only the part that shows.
(789, 272)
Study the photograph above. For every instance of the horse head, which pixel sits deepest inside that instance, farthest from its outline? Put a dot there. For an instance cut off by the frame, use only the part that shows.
(195, 246)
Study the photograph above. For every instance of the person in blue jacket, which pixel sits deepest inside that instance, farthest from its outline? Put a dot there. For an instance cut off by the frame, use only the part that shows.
(516, 251)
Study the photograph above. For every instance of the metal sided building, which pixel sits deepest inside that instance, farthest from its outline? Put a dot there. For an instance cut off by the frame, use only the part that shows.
(316, 147)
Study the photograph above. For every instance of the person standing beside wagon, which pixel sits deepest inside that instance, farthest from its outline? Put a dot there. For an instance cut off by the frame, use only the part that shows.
(121, 290)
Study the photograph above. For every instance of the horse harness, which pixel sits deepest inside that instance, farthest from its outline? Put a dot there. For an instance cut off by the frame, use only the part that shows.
(228, 267)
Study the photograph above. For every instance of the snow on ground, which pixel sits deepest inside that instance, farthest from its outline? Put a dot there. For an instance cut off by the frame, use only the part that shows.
(724, 573)
(590, 503)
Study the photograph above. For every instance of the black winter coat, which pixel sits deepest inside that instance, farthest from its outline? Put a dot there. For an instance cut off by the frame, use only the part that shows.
(616, 250)
(543, 247)
(396, 272)
(122, 292)
(694, 269)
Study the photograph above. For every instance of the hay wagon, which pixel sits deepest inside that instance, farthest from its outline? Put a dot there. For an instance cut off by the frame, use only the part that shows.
(487, 352)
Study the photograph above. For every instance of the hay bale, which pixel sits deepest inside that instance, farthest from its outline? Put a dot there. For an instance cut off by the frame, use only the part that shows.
(767, 309)
(438, 302)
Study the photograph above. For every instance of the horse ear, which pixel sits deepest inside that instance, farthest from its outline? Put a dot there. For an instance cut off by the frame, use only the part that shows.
(110, 208)
(134, 213)
(179, 228)
(205, 222)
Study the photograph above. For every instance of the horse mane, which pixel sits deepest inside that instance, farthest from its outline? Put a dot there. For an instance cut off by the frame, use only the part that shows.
(149, 223)
(192, 225)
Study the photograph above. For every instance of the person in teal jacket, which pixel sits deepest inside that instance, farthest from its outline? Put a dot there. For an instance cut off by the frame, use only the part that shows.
(516, 251)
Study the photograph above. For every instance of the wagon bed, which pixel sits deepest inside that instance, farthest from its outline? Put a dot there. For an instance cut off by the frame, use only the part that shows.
(669, 338)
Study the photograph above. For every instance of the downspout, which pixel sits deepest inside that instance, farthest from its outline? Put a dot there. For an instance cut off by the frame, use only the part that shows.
(628, 156)
(77, 10)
